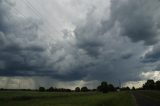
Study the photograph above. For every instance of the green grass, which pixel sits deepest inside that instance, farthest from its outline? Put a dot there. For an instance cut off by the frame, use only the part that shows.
(152, 94)
(65, 99)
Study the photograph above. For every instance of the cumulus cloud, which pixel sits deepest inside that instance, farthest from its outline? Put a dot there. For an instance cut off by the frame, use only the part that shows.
(155, 75)
(136, 84)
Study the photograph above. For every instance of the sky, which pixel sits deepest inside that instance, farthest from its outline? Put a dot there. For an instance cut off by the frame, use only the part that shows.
(69, 43)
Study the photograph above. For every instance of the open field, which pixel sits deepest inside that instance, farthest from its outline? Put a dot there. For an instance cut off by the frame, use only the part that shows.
(19, 98)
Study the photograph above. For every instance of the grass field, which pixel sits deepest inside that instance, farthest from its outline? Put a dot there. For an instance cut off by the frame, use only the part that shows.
(65, 99)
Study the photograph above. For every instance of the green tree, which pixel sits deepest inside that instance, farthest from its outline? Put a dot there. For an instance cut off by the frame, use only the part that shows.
(84, 89)
(51, 89)
(77, 89)
(103, 87)
(158, 85)
(149, 85)
(133, 88)
(111, 87)
(41, 89)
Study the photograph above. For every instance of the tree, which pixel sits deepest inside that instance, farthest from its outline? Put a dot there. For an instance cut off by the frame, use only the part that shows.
(133, 88)
(41, 89)
(84, 89)
(125, 88)
(149, 85)
(103, 87)
(77, 89)
(111, 87)
(157, 85)
(51, 89)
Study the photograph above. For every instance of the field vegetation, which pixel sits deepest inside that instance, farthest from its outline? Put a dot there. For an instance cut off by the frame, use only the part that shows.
(30, 98)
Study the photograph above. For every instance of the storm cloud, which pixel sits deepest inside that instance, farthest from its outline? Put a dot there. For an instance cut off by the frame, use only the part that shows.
(138, 19)
(72, 40)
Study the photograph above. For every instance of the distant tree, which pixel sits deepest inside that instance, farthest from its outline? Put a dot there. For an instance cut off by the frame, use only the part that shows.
(157, 85)
(84, 89)
(1, 89)
(41, 89)
(125, 89)
(103, 87)
(77, 89)
(133, 88)
(149, 85)
(68, 90)
(111, 87)
(51, 89)
(94, 90)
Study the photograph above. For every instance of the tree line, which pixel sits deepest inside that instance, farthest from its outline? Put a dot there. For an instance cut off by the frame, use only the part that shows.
(151, 85)
(103, 87)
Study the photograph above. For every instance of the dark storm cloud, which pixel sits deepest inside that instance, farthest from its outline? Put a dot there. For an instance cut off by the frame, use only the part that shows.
(89, 36)
(127, 56)
(137, 19)
(16, 51)
(106, 46)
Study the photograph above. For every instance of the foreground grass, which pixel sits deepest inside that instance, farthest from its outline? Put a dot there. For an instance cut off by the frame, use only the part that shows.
(65, 99)
(152, 94)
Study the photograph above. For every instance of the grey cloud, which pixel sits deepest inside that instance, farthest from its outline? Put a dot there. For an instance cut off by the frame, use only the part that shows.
(17, 50)
(127, 20)
(98, 47)
(137, 19)
(153, 55)
(157, 67)
(84, 35)
(3, 19)
(127, 55)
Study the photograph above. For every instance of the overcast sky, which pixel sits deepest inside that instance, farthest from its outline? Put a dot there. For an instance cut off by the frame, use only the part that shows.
(69, 43)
